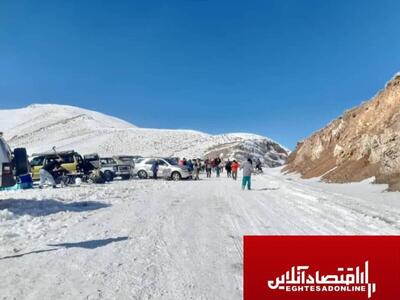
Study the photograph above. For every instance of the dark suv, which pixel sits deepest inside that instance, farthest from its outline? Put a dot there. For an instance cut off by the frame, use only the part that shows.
(12, 164)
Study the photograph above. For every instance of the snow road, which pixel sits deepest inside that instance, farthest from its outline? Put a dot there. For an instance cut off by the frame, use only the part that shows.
(167, 240)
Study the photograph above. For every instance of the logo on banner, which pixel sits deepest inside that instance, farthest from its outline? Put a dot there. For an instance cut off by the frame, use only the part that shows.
(302, 279)
(321, 268)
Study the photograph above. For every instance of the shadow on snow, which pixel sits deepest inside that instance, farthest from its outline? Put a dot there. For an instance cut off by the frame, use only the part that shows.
(267, 189)
(91, 244)
(38, 208)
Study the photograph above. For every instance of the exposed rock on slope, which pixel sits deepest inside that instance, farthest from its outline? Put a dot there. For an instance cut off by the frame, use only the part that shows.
(269, 152)
(364, 142)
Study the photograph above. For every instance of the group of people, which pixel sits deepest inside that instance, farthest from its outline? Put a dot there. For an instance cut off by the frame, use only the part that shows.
(232, 168)
(195, 166)
(49, 171)
(216, 164)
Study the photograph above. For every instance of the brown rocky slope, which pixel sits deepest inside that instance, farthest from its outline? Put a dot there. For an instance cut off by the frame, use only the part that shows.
(362, 143)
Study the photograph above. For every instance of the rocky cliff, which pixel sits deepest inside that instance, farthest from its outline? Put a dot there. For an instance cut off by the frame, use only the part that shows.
(362, 143)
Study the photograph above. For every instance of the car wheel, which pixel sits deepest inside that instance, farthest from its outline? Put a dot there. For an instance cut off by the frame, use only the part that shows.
(176, 176)
(108, 176)
(125, 177)
(142, 174)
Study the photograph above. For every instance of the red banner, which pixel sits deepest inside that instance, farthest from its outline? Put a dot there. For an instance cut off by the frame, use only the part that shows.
(322, 267)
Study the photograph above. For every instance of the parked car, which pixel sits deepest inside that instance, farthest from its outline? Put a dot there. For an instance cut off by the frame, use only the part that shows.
(109, 167)
(126, 159)
(113, 168)
(136, 158)
(168, 168)
(72, 162)
(133, 158)
(90, 163)
(12, 163)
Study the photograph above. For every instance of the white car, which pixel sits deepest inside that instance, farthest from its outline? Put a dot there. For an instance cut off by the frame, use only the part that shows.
(167, 168)
(12, 164)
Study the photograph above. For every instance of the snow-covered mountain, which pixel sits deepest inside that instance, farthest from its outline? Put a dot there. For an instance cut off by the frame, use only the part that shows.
(39, 127)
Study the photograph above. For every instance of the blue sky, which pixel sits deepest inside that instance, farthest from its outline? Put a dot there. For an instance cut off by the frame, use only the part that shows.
(277, 68)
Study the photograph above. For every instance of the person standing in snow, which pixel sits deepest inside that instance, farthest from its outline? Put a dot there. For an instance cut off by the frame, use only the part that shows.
(154, 168)
(234, 169)
(189, 166)
(228, 168)
(208, 168)
(197, 167)
(217, 163)
(247, 168)
(259, 165)
(46, 173)
(180, 162)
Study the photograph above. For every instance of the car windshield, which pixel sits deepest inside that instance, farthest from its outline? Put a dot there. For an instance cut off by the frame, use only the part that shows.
(125, 159)
(172, 161)
(37, 161)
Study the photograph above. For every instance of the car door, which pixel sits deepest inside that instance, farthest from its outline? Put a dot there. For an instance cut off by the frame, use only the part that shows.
(6, 173)
(163, 169)
(68, 163)
(148, 164)
(36, 165)
(103, 162)
(78, 162)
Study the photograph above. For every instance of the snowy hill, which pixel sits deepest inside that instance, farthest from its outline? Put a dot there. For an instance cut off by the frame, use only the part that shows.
(38, 116)
(40, 127)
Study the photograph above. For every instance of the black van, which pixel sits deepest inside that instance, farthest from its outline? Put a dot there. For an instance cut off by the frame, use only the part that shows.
(12, 163)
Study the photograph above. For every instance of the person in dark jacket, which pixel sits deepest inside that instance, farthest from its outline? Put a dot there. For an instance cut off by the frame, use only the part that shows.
(47, 172)
(259, 165)
(228, 168)
(154, 168)
(217, 163)
(189, 165)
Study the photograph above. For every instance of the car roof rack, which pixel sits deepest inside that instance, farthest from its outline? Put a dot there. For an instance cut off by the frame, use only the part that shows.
(54, 153)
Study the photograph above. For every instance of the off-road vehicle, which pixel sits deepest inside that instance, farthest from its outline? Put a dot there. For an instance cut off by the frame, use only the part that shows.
(71, 161)
(119, 168)
(109, 167)
(12, 163)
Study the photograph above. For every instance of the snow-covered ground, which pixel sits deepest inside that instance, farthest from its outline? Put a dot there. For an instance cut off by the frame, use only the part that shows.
(167, 240)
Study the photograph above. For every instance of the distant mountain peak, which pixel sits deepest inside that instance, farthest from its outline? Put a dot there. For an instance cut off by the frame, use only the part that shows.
(39, 127)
